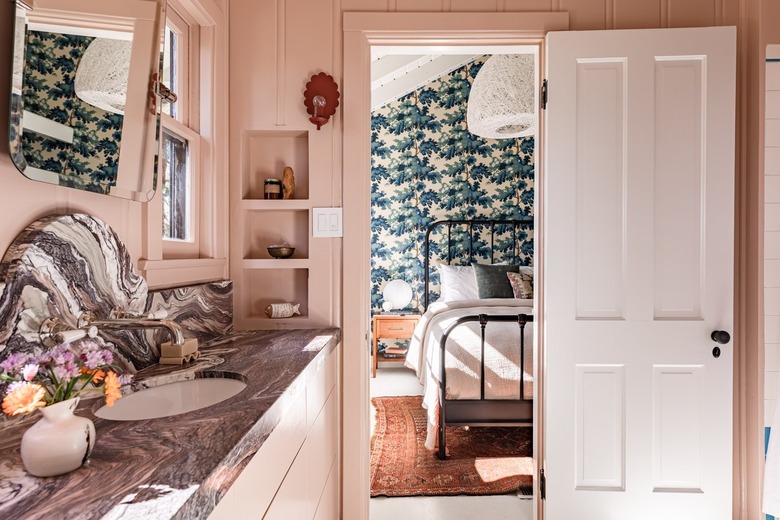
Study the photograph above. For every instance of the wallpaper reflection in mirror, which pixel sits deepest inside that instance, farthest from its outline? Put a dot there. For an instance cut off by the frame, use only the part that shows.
(85, 153)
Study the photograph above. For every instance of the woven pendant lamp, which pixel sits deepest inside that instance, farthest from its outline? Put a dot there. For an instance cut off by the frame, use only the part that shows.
(101, 78)
(502, 101)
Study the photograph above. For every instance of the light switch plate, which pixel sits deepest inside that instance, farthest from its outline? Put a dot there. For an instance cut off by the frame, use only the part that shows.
(326, 222)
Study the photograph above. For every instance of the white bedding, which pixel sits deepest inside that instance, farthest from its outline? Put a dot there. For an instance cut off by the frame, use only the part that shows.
(502, 354)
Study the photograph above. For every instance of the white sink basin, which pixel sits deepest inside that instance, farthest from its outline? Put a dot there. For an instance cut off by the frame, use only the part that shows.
(171, 399)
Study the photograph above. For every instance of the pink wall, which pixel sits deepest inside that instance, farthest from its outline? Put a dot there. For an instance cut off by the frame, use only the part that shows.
(23, 200)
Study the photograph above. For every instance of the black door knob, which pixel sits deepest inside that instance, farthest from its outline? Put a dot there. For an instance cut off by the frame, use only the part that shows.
(720, 336)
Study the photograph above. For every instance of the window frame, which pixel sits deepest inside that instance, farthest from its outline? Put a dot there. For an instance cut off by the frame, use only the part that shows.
(166, 263)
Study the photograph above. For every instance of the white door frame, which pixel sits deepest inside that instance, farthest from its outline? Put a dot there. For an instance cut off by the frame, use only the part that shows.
(361, 31)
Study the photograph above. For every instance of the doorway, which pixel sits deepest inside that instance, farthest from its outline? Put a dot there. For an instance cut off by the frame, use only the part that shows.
(430, 165)
(361, 32)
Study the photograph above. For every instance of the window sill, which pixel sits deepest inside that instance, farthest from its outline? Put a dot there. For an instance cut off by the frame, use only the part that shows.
(169, 273)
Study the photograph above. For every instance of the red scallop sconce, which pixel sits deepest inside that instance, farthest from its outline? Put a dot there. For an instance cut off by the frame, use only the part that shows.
(321, 98)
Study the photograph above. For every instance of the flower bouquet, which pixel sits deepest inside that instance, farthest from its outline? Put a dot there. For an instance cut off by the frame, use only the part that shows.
(54, 381)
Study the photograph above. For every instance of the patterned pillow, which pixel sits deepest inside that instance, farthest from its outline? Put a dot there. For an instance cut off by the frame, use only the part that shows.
(492, 281)
(522, 283)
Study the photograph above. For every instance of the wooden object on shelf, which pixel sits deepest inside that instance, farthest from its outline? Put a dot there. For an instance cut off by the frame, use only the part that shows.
(288, 183)
(392, 326)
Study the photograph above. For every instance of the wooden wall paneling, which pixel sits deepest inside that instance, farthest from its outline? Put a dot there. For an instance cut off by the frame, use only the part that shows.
(309, 44)
(281, 62)
(420, 5)
(693, 13)
(365, 5)
(485, 6)
(252, 51)
(529, 5)
(585, 14)
(637, 14)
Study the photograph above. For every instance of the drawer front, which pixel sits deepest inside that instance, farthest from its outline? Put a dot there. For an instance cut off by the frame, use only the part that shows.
(395, 328)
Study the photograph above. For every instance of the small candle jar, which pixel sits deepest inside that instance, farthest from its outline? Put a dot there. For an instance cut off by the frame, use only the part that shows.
(272, 189)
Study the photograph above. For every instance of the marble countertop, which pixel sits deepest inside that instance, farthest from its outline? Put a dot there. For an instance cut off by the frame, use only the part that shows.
(180, 466)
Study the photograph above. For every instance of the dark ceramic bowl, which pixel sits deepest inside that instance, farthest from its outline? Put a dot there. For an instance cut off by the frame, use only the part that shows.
(281, 251)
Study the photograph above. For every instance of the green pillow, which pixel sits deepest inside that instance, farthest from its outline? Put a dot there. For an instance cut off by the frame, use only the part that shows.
(492, 281)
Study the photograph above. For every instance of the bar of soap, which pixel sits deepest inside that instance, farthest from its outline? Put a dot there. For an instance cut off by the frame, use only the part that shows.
(189, 347)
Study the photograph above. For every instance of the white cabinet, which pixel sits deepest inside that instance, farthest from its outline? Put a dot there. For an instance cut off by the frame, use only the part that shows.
(295, 472)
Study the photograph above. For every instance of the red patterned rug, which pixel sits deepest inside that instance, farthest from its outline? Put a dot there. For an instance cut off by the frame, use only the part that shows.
(482, 461)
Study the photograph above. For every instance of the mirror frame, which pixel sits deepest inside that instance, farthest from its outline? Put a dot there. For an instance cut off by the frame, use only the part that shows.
(138, 148)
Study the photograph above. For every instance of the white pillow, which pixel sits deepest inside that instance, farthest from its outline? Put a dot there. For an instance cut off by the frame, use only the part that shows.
(457, 283)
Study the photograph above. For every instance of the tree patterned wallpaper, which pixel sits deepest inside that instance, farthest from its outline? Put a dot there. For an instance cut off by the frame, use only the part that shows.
(91, 161)
(426, 166)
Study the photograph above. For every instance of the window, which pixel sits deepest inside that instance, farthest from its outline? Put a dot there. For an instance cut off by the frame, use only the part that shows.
(178, 157)
(186, 220)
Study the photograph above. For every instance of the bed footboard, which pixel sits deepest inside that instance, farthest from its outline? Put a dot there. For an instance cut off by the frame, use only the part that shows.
(482, 411)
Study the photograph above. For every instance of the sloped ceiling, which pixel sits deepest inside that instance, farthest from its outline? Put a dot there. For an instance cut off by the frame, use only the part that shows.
(394, 76)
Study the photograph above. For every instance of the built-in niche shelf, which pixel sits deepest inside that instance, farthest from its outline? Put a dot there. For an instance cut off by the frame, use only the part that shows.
(274, 205)
(266, 286)
(262, 279)
(272, 227)
(275, 263)
(266, 153)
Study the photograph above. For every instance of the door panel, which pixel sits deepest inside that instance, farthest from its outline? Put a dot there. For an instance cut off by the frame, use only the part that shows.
(678, 463)
(679, 129)
(638, 209)
(600, 182)
(600, 427)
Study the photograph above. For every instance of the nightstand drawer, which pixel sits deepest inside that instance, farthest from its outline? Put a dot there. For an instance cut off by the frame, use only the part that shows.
(395, 328)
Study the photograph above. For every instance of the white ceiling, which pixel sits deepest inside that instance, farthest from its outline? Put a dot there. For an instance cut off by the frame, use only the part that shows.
(397, 71)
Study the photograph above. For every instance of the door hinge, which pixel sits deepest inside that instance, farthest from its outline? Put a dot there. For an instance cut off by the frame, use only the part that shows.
(542, 485)
(544, 94)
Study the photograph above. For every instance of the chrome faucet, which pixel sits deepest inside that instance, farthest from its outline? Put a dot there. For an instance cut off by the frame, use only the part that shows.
(121, 320)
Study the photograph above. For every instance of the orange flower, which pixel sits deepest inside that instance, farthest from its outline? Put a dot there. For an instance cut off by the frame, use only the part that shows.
(24, 399)
(112, 388)
(97, 374)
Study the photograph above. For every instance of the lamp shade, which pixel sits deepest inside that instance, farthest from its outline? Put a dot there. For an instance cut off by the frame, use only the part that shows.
(101, 78)
(397, 292)
(502, 101)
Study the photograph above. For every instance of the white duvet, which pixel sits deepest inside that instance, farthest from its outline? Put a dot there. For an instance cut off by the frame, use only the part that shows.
(502, 354)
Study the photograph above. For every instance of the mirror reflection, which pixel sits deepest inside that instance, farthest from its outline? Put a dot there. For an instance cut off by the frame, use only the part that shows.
(81, 114)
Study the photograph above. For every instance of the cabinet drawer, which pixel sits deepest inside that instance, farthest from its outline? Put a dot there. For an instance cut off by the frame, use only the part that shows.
(395, 328)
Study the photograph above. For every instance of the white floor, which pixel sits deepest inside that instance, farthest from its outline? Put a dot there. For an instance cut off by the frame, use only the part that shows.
(394, 380)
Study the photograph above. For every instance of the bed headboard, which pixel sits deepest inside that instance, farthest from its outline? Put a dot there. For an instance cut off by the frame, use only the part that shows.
(482, 226)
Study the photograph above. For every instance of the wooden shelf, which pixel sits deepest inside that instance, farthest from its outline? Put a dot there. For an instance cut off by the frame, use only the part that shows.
(278, 204)
(275, 263)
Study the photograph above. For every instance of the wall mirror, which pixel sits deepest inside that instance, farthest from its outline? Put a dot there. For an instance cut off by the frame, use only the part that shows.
(83, 110)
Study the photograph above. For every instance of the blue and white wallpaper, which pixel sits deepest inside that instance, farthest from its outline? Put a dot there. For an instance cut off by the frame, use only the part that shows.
(91, 161)
(426, 166)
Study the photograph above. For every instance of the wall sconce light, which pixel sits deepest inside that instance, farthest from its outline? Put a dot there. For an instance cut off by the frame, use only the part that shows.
(321, 98)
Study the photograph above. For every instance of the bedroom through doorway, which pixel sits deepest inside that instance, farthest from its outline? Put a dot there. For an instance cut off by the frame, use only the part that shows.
(428, 168)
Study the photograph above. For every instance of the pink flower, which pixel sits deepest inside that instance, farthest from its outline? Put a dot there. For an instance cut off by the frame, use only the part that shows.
(29, 371)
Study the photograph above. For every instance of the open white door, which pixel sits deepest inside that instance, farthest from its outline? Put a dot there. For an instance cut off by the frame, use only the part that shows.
(639, 213)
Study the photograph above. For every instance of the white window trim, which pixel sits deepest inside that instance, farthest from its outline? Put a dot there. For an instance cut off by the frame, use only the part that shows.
(210, 261)
(189, 248)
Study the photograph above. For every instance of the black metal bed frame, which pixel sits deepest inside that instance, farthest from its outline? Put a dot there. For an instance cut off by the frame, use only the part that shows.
(482, 411)
(515, 223)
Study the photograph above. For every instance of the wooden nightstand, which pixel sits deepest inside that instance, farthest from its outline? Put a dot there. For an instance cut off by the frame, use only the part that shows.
(393, 326)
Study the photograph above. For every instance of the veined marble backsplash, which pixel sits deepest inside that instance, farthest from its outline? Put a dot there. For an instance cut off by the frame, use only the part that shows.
(63, 265)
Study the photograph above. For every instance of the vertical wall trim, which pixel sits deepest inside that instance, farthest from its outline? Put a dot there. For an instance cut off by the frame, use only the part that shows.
(446, 6)
(501, 5)
(281, 62)
(392, 5)
(609, 14)
(665, 15)
(720, 9)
